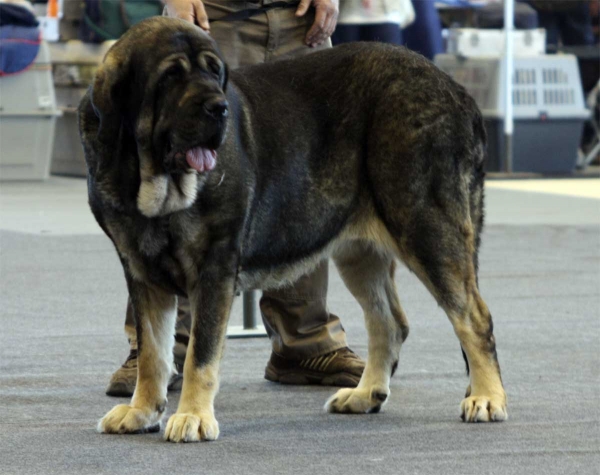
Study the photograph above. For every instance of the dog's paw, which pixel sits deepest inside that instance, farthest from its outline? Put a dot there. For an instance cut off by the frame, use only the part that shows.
(358, 400)
(191, 428)
(124, 419)
(483, 409)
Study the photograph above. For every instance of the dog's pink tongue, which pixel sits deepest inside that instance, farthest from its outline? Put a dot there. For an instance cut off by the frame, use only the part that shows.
(201, 159)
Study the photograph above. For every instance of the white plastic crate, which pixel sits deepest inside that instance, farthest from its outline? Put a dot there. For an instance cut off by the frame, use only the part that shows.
(27, 120)
(547, 85)
(471, 42)
(74, 65)
(548, 108)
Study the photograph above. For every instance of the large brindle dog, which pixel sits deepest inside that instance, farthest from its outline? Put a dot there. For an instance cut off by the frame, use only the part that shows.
(210, 183)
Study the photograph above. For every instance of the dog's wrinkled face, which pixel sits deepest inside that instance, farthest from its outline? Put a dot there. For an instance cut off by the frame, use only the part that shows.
(164, 81)
(191, 110)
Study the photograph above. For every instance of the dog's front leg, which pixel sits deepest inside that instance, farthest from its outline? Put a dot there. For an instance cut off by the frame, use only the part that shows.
(155, 312)
(210, 300)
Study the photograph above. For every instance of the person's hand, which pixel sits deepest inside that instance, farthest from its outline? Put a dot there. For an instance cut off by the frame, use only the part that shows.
(327, 12)
(367, 3)
(188, 10)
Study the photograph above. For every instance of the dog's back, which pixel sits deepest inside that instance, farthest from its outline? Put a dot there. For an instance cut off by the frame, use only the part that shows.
(361, 124)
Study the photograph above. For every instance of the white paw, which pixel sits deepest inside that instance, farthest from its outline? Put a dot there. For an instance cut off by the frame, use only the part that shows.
(483, 409)
(191, 428)
(358, 400)
(124, 419)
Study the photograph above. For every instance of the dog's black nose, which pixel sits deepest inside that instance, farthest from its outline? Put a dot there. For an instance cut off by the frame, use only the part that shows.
(217, 107)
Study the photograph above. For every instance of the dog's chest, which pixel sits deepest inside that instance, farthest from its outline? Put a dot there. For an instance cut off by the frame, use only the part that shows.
(160, 251)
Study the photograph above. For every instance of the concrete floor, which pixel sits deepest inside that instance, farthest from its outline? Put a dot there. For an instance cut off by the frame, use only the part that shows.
(59, 205)
(62, 298)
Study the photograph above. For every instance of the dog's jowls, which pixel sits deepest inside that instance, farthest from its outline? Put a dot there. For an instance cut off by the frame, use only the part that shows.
(210, 183)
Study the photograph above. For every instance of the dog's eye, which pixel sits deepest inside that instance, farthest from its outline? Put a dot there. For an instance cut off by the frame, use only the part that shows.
(211, 64)
(169, 73)
(172, 71)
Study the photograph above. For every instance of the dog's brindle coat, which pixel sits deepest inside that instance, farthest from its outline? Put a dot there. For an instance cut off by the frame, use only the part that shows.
(364, 152)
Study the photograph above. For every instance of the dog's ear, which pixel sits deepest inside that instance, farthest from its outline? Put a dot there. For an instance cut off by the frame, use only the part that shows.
(225, 77)
(108, 92)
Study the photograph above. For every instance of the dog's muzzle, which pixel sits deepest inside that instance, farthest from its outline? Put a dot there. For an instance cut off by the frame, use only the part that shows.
(217, 108)
(201, 155)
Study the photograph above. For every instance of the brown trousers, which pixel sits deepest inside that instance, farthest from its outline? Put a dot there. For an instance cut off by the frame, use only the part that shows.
(296, 317)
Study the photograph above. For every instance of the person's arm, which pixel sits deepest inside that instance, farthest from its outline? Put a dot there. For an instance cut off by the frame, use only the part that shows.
(325, 19)
(188, 10)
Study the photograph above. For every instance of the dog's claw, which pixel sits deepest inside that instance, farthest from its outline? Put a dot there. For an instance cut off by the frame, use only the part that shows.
(191, 428)
(380, 396)
(483, 409)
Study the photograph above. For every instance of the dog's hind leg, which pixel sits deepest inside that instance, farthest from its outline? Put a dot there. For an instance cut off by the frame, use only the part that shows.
(442, 254)
(155, 312)
(369, 274)
(425, 168)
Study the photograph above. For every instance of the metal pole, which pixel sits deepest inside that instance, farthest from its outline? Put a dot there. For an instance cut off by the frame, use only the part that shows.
(509, 22)
(250, 327)
(250, 310)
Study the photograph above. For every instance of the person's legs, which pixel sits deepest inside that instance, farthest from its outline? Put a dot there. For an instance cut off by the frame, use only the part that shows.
(303, 333)
(297, 320)
(122, 381)
(576, 25)
(549, 21)
(309, 343)
(382, 32)
(424, 35)
(287, 34)
(276, 34)
(242, 43)
(345, 34)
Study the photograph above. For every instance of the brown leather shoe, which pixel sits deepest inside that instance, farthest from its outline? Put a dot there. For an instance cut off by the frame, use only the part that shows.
(122, 382)
(339, 368)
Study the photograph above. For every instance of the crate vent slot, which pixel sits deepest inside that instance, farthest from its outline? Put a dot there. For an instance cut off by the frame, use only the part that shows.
(559, 96)
(524, 76)
(524, 97)
(554, 76)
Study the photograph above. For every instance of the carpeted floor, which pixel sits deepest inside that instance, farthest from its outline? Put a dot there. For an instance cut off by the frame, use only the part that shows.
(62, 301)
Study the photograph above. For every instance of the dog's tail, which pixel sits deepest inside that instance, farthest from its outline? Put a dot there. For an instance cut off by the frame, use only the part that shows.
(476, 195)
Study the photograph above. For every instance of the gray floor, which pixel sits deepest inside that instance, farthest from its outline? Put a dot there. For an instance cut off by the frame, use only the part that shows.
(62, 298)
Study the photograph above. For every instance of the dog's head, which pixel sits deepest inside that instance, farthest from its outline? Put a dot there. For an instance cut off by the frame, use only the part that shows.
(164, 81)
